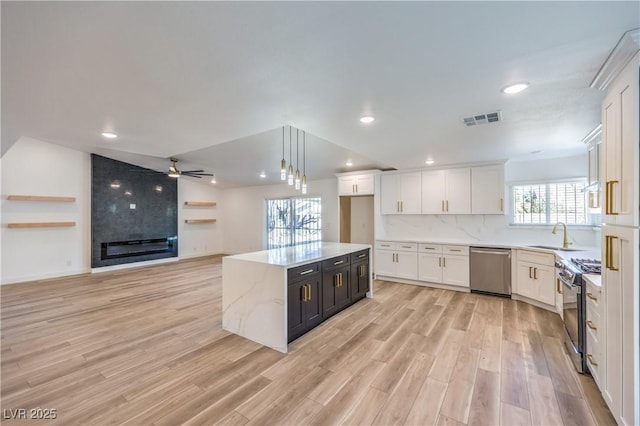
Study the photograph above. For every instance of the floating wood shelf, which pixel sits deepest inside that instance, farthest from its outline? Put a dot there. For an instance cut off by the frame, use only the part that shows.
(41, 198)
(40, 224)
(199, 221)
(200, 203)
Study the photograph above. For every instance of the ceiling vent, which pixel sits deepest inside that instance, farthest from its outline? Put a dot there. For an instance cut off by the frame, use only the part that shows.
(476, 120)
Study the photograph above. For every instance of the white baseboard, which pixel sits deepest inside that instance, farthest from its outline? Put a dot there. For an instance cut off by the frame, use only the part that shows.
(203, 254)
(38, 277)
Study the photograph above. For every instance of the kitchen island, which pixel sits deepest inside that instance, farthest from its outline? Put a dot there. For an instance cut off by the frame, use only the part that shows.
(274, 296)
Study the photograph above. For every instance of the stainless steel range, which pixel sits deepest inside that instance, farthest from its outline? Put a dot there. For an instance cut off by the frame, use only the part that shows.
(569, 273)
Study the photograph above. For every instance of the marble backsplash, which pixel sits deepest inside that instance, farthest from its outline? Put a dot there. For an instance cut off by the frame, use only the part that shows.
(477, 228)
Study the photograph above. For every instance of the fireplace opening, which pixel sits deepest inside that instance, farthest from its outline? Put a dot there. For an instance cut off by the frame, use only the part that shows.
(120, 249)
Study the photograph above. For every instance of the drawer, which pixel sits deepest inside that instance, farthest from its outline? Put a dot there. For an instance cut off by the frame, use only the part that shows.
(407, 247)
(459, 250)
(594, 323)
(301, 272)
(385, 245)
(336, 262)
(594, 357)
(359, 255)
(594, 298)
(429, 248)
(537, 257)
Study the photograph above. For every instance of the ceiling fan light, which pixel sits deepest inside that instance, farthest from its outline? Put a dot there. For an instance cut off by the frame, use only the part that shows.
(174, 174)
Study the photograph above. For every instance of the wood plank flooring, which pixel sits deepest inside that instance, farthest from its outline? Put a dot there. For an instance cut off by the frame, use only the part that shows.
(145, 346)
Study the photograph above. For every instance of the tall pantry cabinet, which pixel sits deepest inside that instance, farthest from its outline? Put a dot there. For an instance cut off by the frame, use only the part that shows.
(620, 380)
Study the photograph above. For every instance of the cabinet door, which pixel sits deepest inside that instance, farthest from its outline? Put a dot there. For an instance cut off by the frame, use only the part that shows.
(455, 270)
(407, 265)
(346, 185)
(524, 276)
(385, 263)
(458, 191)
(343, 290)
(389, 197)
(330, 282)
(433, 192)
(313, 305)
(544, 281)
(364, 184)
(359, 280)
(621, 304)
(487, 190)
(610, 152)
(295, 311)
(430, 267)
(410, 193)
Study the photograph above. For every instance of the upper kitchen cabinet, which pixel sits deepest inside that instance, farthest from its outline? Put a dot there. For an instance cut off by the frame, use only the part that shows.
(362, 184)
(446, 191)
(620, 139)
(400, 193)
(487, 190)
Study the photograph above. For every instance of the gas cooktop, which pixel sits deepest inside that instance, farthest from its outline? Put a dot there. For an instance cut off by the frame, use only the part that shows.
(587, 266)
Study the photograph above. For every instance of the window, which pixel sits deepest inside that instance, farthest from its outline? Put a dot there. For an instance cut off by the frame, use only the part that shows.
(293, 221)
(548, 203)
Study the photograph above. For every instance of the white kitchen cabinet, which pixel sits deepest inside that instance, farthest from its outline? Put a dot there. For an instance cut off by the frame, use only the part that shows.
(443, 264)
(446, 191)
(396, 260)
(487, 190)
(400, 193)
(620, 134)
(595, 336)
(559, 298)
(536, 276)
(356, 184)
(621, 387)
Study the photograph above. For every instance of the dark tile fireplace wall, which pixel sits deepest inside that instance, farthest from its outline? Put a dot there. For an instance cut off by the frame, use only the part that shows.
(134, 213)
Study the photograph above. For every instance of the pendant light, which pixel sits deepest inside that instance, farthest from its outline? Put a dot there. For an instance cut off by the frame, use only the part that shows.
(283, 163)
(297, 161)
(290, 175)
(304, 162)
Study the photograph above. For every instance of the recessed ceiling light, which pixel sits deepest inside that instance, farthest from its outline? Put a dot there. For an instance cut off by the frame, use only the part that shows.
(263, 175)
(367, 119)
(515, 88)
(109, 135)
(213, 180)
(429, 162)
(349, 163)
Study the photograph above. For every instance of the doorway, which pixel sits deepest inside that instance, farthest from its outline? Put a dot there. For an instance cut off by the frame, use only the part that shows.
(357, 220)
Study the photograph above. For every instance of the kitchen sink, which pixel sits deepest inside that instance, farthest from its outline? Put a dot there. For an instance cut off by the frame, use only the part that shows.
(554, 248)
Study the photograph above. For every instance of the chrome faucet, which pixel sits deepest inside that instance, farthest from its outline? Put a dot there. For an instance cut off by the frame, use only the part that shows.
(565, 240)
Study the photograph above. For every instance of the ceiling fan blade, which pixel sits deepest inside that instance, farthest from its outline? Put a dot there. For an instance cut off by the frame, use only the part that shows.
(192, 171)
(197, 174)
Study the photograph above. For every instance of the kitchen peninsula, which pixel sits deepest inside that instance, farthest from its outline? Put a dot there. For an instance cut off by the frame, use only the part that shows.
(274, 296)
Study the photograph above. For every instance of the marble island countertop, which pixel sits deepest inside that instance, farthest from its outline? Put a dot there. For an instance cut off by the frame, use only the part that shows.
(300, 254)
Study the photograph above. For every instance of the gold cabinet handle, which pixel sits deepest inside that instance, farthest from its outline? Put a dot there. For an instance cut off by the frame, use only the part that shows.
(338, 262)
(442, 205)
(530, 272)
(606, 197)
(440, 262)
(609, 252)
(362, 255)
(455, 250)
(611, 183)
(558, 286)
(590, 357)
(401, 206)
(309, 286)
(356, 188)
(591, 326)
(304, 293)
(535, 273)
(501, 204)
(447, 203)
(444, 262)
(591, 296)
(308, 271)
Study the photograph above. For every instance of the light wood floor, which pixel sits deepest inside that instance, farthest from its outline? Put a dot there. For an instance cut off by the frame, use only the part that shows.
(146, 346)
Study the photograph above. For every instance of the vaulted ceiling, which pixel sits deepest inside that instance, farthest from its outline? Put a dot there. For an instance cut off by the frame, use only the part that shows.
(214, 82)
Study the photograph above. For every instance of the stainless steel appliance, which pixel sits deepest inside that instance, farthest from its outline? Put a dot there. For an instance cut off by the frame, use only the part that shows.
(490, 270)
(569, 272)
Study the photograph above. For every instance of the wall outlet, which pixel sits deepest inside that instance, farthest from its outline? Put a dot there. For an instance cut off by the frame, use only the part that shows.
(132, 206)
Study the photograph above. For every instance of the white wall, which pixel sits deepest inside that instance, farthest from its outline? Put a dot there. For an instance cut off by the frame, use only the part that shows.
(200, 239)
(493, 228)
(244, 213)
(32, 167)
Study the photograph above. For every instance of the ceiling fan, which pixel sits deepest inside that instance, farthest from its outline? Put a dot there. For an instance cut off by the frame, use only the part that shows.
(174, 172)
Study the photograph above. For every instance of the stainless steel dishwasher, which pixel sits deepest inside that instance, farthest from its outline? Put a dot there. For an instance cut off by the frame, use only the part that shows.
(490, 270)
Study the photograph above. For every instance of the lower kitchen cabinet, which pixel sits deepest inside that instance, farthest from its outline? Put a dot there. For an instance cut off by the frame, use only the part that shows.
(443, 264)
(336, 293)
(359, 275)
(536, 276)
(397, 259)
(304, 298)
(594, 332)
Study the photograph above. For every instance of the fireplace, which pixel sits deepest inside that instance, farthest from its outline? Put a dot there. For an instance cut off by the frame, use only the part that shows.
(120, 249)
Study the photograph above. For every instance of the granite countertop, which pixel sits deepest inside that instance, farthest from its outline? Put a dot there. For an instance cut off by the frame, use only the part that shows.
(300, 254)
